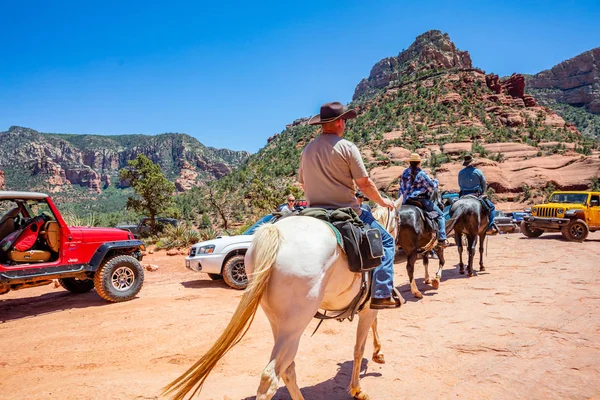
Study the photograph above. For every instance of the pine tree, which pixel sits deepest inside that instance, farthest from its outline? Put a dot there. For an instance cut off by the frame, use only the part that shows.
(153, 191)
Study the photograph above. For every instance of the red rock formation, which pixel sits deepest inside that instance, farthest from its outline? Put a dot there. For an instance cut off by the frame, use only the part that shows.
(493, 82)
(575, 81)
(2, 181)
(514, 86)
(432, 50)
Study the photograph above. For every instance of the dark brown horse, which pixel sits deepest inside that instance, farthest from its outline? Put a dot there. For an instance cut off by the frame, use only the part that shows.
(469, 217)
(416, 237)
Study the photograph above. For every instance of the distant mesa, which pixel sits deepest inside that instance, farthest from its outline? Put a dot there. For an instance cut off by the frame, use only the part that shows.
(575, 81)
(93, 161)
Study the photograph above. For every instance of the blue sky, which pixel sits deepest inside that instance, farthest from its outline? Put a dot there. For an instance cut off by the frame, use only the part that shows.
(234, 73)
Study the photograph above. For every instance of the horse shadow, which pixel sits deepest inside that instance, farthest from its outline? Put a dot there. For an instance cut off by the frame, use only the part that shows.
(335, 388)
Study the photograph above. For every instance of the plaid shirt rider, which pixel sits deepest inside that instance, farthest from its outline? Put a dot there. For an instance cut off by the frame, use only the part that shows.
(422, 187)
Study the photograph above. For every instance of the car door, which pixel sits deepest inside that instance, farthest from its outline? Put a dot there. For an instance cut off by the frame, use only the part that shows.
(594, 211)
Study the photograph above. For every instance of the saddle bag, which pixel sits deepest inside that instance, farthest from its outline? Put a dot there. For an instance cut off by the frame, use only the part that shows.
(363, 246)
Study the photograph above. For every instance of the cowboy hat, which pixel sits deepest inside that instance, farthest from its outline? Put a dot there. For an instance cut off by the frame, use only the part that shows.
(467, 160)
(331, 112)
(414, 157)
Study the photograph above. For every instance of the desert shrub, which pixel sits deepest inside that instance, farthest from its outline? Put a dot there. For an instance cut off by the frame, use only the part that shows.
(527, 192)
(478, 148)
(595, 184)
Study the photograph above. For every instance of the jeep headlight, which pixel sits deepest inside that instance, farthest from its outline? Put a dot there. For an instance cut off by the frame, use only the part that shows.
(560, 210)
(206, 249)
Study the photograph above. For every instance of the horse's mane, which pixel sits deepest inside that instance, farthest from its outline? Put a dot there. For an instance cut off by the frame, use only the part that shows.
(379, 213)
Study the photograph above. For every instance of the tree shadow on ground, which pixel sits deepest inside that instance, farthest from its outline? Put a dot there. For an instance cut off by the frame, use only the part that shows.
(14, 309)
(204, 284)
(335, 388)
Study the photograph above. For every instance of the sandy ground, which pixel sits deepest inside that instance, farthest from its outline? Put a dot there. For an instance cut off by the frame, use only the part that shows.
(528, 327)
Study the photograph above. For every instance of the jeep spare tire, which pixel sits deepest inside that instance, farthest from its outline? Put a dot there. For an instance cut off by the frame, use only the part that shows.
(119, 278)
(234, 272)
(575, 231)
(530, 231)
(75, 285)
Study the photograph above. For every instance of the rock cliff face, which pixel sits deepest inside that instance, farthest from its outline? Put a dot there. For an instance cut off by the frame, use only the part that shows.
(94, 161)
(431, 51)
(2, 182)
(575, 81)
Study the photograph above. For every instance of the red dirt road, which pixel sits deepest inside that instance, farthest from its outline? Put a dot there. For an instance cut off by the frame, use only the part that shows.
(528, 327)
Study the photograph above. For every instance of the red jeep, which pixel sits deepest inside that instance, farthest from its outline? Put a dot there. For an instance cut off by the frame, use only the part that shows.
(37, 246)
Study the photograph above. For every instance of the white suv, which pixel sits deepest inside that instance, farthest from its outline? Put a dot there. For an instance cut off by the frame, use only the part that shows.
(223, 257)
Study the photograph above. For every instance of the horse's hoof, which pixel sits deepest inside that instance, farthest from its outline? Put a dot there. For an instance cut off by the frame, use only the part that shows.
(435, 283)
(471, 274)
(461, 271)
(379, 358)
(427, 281)
(360, 395)
(418, 295)
(482, 268)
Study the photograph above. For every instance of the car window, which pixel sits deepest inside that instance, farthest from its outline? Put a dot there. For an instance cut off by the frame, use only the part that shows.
(6, 206)
(264, 220)
(576, 198)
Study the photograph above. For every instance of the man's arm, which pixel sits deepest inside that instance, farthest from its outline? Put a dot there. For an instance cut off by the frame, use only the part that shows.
(482, 181)
(367, 186)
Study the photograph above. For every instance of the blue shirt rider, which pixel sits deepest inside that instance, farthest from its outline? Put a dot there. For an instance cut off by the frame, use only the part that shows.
(415, 184)
(472, 181)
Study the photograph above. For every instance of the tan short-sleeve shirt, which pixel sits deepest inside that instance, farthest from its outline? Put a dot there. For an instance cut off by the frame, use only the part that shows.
(329, 165)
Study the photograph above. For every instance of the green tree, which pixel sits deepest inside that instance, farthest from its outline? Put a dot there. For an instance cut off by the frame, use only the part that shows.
(154, 193)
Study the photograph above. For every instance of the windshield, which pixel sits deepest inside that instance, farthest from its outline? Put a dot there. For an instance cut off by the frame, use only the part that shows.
(264, 220)
(39, 208)
(577, 198)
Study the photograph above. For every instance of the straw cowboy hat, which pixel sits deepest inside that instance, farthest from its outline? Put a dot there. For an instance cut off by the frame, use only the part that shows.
(468, 160)
(331, 112)
(414, 157)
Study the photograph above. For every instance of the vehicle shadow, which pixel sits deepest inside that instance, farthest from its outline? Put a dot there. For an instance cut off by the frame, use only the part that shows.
(48, 303)
(556, 236)
(335, 388)
(204, 284)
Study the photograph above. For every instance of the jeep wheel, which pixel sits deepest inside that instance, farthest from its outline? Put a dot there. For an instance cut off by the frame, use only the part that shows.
(120, 278)
(529, 231)
(75, 285)
(215, 277)
(234, 272)
(575, 231)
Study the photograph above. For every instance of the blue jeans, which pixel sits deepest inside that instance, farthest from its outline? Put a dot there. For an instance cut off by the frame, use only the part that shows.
(441, 220)
(383, 276)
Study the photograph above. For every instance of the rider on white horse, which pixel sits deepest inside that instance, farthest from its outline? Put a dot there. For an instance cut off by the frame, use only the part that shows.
(329, 167)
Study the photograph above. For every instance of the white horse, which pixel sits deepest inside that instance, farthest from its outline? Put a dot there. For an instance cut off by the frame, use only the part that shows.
(295, 267)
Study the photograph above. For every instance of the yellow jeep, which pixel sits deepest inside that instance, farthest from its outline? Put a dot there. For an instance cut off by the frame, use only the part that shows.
(574, 214)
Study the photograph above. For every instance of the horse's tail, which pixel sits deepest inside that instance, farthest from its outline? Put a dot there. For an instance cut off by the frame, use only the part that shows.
(266, 245)
(450, 224)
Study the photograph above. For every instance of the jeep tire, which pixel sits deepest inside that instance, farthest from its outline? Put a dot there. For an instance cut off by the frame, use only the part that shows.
(234, 272)
(575, 231)
(75, 285)
(529, 231)
(119, 278)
